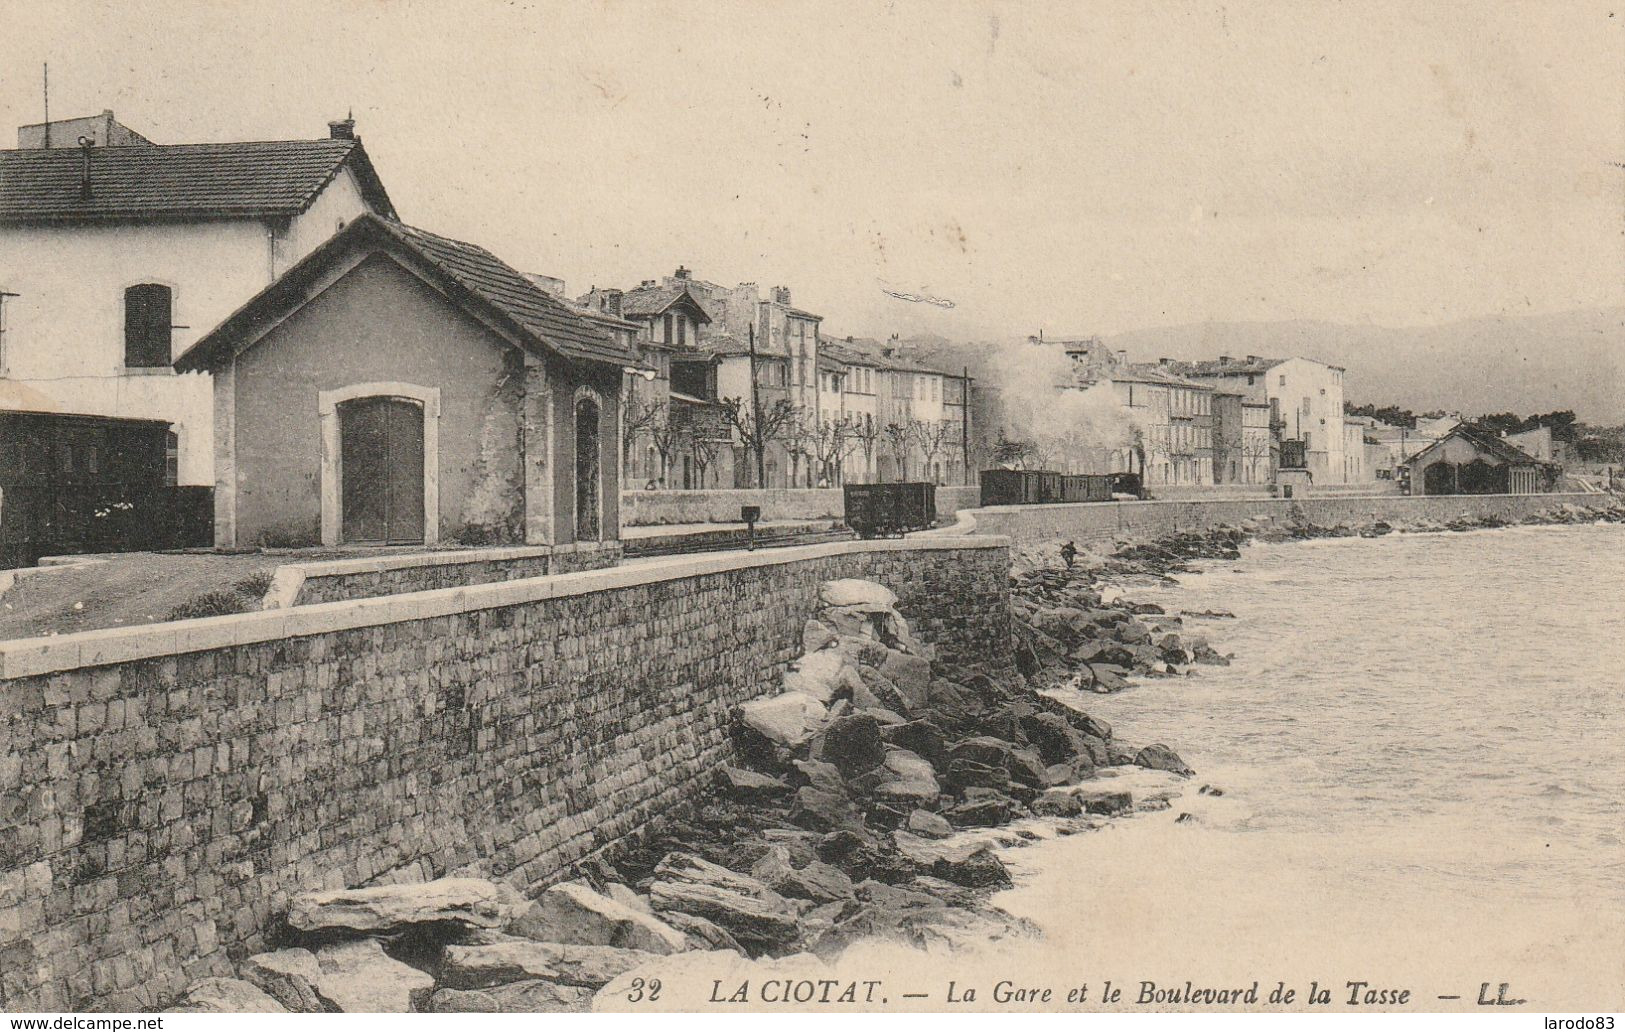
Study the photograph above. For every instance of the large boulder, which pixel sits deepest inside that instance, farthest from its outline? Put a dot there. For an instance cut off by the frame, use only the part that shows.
(358, 977)
(1160, 757)
(497, 963)
(472, 902)
(822, 675)
(227, 996)
(815, 635)
(982, 811)
(749, 786)
(853, 744)
(911, 779)
(744, 907)
(1106, 801)
(983, 749)
(289, 976)
(929, 825)
(1056, 739)
(911, 675)
(819, 809)
(970, 864)
(703, 934)
(853, 593)
(787, 719)
(572, 912)
(1057, 802)
(918, 736)
(533, 996)
(816, 881)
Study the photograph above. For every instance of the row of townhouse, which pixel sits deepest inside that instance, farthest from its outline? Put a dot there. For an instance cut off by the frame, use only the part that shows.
(832, 411)
(1226, 421)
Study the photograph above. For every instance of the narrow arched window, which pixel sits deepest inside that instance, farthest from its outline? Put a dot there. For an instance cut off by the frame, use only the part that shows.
(148, 317)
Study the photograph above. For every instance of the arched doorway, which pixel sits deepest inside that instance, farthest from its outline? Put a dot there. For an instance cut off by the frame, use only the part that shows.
(381, 471)
(1439, 479)
(589, 513)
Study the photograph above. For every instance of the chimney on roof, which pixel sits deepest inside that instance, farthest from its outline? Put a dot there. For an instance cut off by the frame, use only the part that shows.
(1165, 361)
(85, 143)
(1122, 356)
(1252, 358)
(343, 129)
(612, 302)
(781, 295)
(681, 273)
(1224, 359)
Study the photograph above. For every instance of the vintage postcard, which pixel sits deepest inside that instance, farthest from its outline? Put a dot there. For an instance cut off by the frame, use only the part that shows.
(838, 507)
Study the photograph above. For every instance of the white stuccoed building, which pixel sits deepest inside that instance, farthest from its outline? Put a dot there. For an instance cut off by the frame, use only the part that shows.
(116, 257)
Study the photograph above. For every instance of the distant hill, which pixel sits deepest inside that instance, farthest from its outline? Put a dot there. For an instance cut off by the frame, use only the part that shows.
(1522, 364)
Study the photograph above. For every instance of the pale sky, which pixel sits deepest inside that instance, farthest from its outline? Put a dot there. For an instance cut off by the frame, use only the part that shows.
(1076, 167)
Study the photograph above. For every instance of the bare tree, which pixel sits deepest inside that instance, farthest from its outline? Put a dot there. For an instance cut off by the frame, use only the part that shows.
(865, 434)
(829, 446)
(637, 417)
(932, 437)
(759, 426)
(799, 436)
(665, 436)
(899, 440)
(705, 449)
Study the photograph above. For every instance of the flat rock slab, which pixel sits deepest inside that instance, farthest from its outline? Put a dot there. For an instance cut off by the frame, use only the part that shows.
(358, 977)
(474, 902)
(535, 996)
(585, 966)
(574, 913)
(289, 976)
(227, 996)
(852, 592)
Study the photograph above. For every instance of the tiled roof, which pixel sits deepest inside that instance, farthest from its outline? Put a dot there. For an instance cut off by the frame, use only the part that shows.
(188, 181)
(1145, 373)
(508, 290)
(645, 301)
(1233, 367)
(469, 274)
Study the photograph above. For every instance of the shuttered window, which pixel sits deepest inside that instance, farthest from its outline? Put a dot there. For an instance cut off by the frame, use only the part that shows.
(147, 321)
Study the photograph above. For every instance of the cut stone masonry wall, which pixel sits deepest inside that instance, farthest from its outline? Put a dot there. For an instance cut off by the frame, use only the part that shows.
(165, 789)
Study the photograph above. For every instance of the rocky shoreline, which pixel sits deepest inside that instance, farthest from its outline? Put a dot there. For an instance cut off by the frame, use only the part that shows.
(871, 799)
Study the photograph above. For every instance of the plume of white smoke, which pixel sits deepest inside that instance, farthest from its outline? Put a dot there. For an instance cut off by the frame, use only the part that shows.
(1076, 427)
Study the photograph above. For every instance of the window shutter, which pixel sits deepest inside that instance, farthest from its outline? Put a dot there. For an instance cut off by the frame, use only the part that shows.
(147, 321)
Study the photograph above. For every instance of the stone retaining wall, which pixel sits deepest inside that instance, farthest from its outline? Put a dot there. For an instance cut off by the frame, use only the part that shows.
(164, 789)
(651, 508)
(305, 584)
(1101, 522)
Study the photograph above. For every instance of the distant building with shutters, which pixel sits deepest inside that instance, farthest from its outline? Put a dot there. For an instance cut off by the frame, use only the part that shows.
(115, 258)
(399, 387)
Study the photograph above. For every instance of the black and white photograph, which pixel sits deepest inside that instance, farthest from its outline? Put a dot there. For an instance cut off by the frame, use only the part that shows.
(838, 507)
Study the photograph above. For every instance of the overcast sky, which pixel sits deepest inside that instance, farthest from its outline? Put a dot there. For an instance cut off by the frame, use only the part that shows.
(1081, 168)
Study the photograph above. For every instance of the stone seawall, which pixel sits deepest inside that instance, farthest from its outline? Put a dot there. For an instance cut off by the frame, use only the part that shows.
(306, 584)
(653, 508)
(164, 789)
(1102, 522)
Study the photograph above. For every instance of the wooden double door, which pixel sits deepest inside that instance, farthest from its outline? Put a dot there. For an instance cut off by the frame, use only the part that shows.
(382, 471)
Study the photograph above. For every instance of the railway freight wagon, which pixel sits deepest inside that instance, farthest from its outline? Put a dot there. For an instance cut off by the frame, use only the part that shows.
(1086, 487)
(1020, 486)
(1038, 487)
(883, 510)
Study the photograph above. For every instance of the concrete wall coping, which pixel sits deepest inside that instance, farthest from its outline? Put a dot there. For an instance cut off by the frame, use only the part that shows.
(28, 657)
(1554, 497)
(290, 578)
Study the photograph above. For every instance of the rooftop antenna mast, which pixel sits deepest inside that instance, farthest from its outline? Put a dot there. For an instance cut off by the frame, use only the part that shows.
(47, 105)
